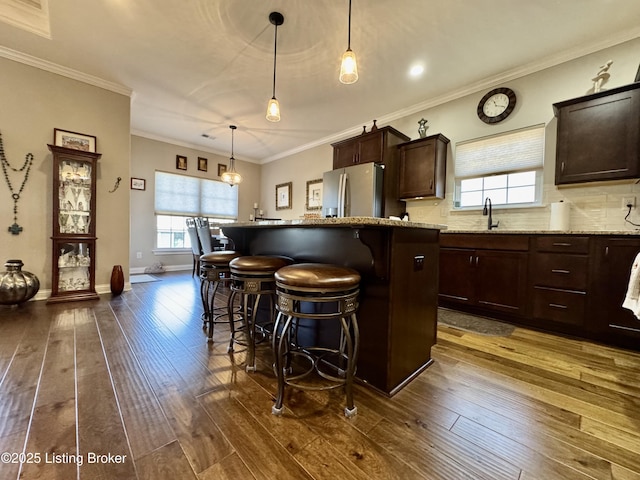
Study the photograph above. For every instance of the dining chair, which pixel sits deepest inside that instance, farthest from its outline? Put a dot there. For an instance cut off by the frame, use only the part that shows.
(204, 234)
(196, 249)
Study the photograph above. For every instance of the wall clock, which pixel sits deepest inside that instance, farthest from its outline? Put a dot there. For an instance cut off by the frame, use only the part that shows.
(496, 105)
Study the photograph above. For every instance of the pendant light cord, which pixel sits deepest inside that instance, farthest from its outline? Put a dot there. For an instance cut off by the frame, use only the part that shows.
(275, 52)
(349, 34)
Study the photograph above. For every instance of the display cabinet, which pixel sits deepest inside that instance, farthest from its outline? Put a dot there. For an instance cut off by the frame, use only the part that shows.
(74, 224)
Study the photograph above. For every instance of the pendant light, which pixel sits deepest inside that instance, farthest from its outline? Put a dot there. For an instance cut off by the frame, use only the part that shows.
(273, 108)
(231, 176)
(349, 66)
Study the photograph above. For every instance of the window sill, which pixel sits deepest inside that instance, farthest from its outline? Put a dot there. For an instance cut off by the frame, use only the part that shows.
(494, 208)
(171, 251)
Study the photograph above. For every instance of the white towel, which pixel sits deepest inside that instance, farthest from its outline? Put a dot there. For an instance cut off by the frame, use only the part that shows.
(632, 299)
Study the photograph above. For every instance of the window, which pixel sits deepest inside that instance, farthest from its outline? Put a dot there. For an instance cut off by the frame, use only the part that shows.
(180, 196)
(506, 167)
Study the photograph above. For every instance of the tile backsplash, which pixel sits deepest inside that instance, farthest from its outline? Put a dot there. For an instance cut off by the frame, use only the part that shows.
(594, 207)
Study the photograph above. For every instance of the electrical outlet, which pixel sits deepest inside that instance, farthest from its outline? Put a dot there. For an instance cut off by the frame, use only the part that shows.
(626, 201)
(138, 255)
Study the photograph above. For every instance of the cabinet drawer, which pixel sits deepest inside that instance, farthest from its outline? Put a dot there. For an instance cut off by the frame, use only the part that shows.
(563, 243)
(559, 305)
(485, 241)
(560, 271)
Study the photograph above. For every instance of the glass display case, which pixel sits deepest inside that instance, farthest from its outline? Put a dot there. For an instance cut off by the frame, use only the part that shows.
(74, 224)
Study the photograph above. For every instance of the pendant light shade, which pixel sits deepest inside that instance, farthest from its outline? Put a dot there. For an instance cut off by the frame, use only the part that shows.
(231, 176)
(349, 66)
(273, 107)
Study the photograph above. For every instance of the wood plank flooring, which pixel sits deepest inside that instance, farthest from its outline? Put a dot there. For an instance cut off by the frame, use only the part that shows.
(134, 378)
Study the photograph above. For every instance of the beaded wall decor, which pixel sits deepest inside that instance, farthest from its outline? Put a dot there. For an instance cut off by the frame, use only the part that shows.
(15, 229)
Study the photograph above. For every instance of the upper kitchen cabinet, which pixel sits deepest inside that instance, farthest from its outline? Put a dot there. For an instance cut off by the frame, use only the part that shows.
(423, 167)
(378, 146)
(599, 136)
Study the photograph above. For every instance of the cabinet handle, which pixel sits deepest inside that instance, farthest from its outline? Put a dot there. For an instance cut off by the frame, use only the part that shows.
(470, 259)
(561, 244)
(553, 270)
(562, 167)
(606, 251)
(431, 184)
(557, 305)
(477, 260)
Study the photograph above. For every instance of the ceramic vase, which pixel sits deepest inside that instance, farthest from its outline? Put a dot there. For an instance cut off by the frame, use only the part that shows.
(117, 280)
(17, 286)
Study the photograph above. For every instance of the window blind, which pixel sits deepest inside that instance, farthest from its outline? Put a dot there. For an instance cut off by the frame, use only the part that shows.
(508, 152)
(193, 196)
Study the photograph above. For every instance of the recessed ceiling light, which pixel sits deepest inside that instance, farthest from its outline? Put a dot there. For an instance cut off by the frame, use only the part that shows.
(416, 70)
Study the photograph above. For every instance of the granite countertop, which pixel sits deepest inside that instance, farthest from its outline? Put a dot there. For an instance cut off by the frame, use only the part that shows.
(330, 222)
(548, 232)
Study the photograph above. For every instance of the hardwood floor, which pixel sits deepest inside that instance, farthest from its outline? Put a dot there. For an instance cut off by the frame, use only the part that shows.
(133, 376)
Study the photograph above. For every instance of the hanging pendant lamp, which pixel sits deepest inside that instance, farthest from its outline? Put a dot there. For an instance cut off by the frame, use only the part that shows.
(273, 107)
(349, 66)
(231, 176)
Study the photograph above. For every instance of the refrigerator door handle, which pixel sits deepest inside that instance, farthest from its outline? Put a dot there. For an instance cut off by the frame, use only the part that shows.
(342, 192)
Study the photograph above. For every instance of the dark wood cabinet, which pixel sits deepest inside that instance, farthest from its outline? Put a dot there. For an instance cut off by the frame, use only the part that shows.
(423, 167)
(606, 319)
(74, 224)
(490, 277)
(379, 146)
(599, 136)
(559, 278)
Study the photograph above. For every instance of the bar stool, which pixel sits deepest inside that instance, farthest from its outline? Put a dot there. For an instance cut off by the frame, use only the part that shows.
(323, 293)
(214, 271)
(252, 277)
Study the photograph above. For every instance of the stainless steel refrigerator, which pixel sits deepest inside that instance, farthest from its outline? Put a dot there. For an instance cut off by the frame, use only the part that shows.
(353, 191)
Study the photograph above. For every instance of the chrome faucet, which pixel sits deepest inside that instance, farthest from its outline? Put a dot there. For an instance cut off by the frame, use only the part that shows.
(487, 211)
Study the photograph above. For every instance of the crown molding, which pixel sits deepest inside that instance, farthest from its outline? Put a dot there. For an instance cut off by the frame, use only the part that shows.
(63, 71)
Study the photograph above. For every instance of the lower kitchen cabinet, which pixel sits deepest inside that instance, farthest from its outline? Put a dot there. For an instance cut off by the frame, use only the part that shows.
(559, 278)
(560, 283)
(606, 319)
(490, 278)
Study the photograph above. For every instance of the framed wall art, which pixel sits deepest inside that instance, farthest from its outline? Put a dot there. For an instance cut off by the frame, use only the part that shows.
(181, 162)
(202, 164)
(314, 194)
(138, 183)
(221, 169)
(283, 196)
(75, 140)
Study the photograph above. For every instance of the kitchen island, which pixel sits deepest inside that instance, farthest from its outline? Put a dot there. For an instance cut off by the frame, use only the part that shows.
(398, 263)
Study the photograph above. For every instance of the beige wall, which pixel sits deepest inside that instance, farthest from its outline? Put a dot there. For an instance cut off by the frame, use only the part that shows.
(594, 207)
(147, 156)
(33, 103)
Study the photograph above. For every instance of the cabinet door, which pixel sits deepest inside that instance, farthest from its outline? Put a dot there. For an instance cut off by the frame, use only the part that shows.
(417, 170)
(344, 154)
(457, 276)
(371, 148)
(598, 139)
(606, 317)
(501, 280)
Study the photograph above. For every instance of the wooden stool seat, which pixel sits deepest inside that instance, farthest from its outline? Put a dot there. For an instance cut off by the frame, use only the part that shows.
(318, 276)
(219, 258)
(258, 264)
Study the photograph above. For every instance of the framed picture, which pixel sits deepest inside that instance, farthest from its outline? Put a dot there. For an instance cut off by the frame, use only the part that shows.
(283, 196)
(138, 183)
(221, 169)
(181, 162)
(75, 140)
(314, 194)
(202, 164)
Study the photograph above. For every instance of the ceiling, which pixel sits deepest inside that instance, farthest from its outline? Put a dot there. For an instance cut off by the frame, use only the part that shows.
(195, 67)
